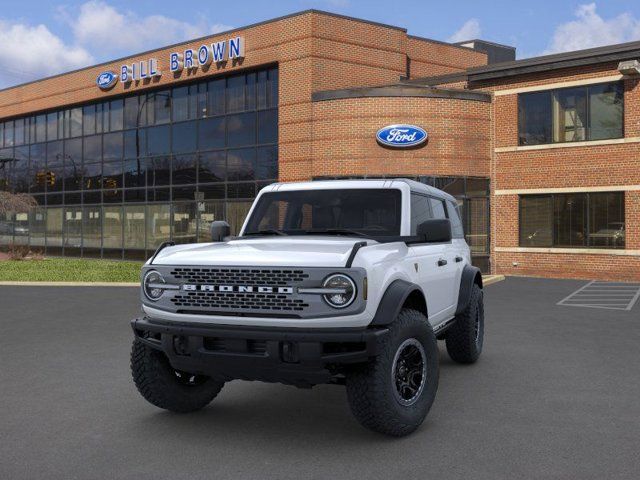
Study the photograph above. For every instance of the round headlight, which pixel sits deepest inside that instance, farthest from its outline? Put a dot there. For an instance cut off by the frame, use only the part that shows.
(151, 285)
(344, 290)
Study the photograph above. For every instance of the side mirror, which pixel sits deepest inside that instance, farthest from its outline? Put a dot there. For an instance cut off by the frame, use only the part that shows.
(219, 230)
(436, 230)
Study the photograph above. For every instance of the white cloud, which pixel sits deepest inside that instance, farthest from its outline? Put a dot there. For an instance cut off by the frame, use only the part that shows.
(591, 30)
(469, 31)
(108, 31)
(29, 52)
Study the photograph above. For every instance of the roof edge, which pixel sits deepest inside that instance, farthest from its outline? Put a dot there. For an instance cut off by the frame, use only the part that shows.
(400, 90)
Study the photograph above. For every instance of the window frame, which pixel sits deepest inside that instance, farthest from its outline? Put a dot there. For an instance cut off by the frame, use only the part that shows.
(552, 94)
(587, 221)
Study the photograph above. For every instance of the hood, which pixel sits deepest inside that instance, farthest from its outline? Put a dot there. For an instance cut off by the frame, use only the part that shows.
(307, 251)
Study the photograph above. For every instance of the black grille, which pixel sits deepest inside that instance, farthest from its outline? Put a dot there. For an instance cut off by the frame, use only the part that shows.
(238, 301)
(215, 344)
(239, 276)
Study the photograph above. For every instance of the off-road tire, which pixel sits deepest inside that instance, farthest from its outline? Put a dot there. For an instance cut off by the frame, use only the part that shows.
(160, 384)
(463, 341)
(370, 388)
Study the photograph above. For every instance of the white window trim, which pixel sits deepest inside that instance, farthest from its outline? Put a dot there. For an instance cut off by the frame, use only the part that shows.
(587, 143)
(534, 191)
(551, 86)
(571, 251)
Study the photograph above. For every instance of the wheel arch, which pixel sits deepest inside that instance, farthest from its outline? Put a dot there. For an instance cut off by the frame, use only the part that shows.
(399, 294)
(470, 276)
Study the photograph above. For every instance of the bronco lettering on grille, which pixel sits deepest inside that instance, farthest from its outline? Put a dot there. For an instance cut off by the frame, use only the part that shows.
(237, 289)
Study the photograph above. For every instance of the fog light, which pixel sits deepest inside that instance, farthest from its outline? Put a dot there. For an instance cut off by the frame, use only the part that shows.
(344, 290)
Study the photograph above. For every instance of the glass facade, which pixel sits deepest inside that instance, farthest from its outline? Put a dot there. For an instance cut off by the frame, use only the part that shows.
(119, 177)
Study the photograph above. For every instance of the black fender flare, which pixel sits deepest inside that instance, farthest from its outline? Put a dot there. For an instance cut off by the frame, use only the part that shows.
(393, 299)
(470, 275)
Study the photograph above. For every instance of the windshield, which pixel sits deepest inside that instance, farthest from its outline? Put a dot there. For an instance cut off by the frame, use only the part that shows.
(361, 212)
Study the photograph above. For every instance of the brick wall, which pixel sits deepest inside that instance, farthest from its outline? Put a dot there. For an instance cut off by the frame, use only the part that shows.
(431, 58)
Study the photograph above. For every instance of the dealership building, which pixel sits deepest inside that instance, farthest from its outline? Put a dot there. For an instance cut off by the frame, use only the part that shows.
(543, 154)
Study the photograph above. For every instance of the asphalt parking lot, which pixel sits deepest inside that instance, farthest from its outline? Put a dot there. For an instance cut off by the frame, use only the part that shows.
(556, 394)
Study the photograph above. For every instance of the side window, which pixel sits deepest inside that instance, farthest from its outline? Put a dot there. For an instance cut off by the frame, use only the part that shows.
(456, 224)
(437, 207)
(420, 211)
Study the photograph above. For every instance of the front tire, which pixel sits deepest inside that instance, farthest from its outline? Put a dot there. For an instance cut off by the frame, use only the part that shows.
(393, 393)
(165, 387)
(465, 338)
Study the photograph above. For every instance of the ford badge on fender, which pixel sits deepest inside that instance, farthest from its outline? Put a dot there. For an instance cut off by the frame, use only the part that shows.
(401, 136)
(106, 80)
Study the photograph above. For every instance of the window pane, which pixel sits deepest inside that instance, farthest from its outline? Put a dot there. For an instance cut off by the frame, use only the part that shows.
(116, 115)
(606, 220)
(112, 175)
(180, 103)
(272, 88)
(437, 208)
(158, 140)
(241, 129)
(19, 132)
(135, 173)
(267, 163)
(112, 227)
(184, 137)
(112, 146)
(20, 169)
(158, 225)
(92, 148)
(216, 101)
(72, 229)
(212, 167)
(75, 122)
(570, 220)
(92, 176)
(134, 225)
(211, 133)
(131, 112)
(534, 118)
(236, 213)
(89, 116)
(37, 226)
(605, 111)
(241, 164)
(211, 212)
(184, 222)
(41, 128)
(570, 115)
(184, 169)
(92, 228)
(54, 229)
(268, 126)
(159, 170)
(162, 110)
(536, 221)
(261, 89)
(420, 211)
(235, 93)
(456, 223)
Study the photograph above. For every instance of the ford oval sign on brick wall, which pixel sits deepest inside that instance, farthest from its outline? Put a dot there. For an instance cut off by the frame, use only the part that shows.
(106, 80)
(401, 136)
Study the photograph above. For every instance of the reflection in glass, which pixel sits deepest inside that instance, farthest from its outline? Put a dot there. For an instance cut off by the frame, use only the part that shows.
(112, 227)
(158, 225)
(134, 226)
(184, 222)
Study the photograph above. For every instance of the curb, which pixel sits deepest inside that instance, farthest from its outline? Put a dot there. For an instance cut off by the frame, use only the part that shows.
(489, 279)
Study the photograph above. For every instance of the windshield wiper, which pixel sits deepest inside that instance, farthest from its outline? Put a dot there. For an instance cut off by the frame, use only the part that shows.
(265, 232)
(338, 231)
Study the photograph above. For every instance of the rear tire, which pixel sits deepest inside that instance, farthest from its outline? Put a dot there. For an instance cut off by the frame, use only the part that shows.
(465, 338)
(393, 393)
(165, 387)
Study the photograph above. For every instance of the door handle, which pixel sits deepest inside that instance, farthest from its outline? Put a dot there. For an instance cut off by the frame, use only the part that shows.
(459, 259)
(442, 262)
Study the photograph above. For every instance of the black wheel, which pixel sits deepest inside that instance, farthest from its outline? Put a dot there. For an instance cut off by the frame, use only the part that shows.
(465, 337)
(165, 387)
(393, 393)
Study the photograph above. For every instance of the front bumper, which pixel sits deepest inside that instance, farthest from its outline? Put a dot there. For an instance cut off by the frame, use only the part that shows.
(292, 356)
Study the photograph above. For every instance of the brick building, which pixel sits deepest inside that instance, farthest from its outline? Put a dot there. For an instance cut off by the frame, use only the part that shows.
(543, 154)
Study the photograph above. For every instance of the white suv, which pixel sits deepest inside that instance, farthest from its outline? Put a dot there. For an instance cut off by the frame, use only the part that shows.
(346, 282)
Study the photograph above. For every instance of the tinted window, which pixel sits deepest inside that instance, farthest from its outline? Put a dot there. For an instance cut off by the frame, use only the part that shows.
(437, 208)
(456, 224)
(375, 212)
(420, 211)
(534, 118)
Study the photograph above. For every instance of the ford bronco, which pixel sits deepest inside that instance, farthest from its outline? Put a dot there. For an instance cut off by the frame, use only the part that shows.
(349, 282)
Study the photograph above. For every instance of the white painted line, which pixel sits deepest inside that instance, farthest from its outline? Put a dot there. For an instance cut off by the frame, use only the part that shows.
(577, 291)
(609, 295)
(634, 300)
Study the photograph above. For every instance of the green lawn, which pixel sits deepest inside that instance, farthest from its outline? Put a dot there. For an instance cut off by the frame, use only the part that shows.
(69, 270)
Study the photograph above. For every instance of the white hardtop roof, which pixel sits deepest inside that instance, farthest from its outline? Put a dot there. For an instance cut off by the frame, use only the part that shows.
(359, 183)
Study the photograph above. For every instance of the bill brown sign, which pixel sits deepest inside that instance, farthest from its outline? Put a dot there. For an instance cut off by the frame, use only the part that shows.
(189, 59)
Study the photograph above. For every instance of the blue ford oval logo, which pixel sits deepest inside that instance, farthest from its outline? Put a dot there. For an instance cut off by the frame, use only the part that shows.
(401, 136)
(106, 80)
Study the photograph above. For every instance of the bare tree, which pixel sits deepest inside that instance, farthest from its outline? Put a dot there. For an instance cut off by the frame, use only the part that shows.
(16, 203)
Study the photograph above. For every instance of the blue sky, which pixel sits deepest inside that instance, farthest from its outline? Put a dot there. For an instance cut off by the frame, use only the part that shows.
(43, 37)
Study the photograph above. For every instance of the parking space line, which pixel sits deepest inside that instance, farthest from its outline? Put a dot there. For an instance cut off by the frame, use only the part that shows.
(609, 295)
